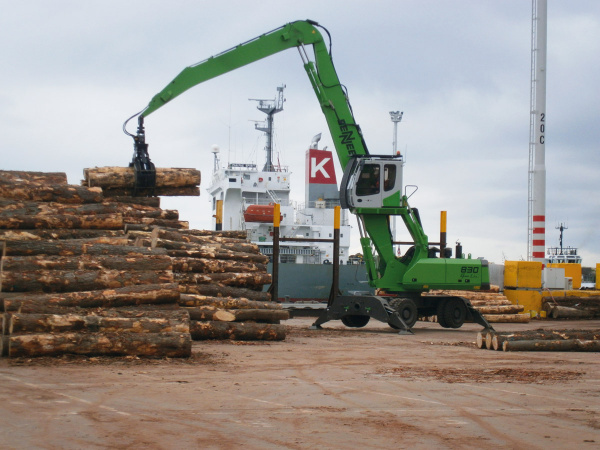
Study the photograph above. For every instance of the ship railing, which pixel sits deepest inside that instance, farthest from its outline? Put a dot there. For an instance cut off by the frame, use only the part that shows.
(262, 201)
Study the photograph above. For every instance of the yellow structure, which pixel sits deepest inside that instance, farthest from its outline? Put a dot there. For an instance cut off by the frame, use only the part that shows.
(523, 275)
(572, 270)
(597, 276)
(530, 299)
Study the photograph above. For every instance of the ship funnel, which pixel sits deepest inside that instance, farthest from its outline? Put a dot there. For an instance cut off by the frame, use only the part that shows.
(315, 141)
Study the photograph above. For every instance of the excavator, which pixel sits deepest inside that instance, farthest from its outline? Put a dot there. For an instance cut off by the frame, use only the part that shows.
(371, 188)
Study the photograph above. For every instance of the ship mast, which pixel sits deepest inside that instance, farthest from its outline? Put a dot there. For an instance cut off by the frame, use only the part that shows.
(270, 108)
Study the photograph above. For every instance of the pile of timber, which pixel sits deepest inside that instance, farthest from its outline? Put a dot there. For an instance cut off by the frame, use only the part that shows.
(121, 181)
(72, 282)
(221, 278)
(571, 307)
(541, 340)
(493, 305)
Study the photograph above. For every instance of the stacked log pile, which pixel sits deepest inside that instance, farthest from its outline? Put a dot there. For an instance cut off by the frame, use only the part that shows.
(70, 280)
(571, 307)
(493, 305)
(221, 279)
(117, 181)
(541, 340)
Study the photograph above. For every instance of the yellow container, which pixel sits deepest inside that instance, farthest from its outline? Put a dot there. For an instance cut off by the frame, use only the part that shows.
(523, 274)
(531, 300)
(572, 271)
(598, 276)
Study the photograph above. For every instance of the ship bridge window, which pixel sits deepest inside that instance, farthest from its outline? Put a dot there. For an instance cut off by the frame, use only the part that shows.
(232, 180)
(246, 176)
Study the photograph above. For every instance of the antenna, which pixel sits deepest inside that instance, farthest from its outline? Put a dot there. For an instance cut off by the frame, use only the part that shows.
(270, 108)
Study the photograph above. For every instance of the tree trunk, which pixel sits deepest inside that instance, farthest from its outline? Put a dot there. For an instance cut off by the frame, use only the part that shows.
(149, 294)
(98, 221)
(52, 193)
(203, 313)
(79, 280)
(236, 331)
(215, 290)
(234, 234)
(159, 222)
(480, 341)
(177, 236)
(60, 323)
(254, 315)
(86, 262)
(166, 191)
(170, 345)
(40, 178)
(565, 312)
(71, 247)
(498, 339)
(226, 302)
(237, 247)
(124, 177)
(209, 265)
(207, 252)
(507, 318)
(129, 200)
(252, 280)
(571, 345)
(501, 309)
(63, 233)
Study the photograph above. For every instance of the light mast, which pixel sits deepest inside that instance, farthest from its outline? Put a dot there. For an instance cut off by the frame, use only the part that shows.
(536, 241)
(270, 108)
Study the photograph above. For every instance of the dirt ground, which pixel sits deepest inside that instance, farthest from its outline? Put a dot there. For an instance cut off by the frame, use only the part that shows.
(337, 388)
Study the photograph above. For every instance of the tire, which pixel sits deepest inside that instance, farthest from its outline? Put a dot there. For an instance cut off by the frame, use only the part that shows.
(441, 307)
(355, 321)
(407, 310)
(455, 313)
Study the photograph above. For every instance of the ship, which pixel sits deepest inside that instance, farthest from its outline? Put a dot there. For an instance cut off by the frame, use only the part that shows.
(560, 254)
(244, 198)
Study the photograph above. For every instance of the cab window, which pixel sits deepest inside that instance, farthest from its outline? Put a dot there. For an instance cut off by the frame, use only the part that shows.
(368, 181)
(389, 177)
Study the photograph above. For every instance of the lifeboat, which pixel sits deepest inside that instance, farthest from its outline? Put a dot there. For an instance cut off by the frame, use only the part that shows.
(260, 213)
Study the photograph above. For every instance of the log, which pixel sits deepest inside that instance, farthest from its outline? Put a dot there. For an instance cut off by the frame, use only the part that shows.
(480, 341)
(206, 265)
(71, 247)
(565, 312)
(252, 280)
(61, 323)
(507, 318)
(150, 294)
(226, 302)
(124, 177)
(236, 234)
(215, 290)
(23, 177)
(236, 331)
(166, 191)
(253, 315)
(52, 193)
(129, 200)
(501, 309)
(170, 345)
(86, 262)
(571, 345)
(498, 339)
(202, 313)
(237, 247)
(79, 280)
(97, 222)
(157, 222)
(61, 233)
(177, 236)
(207, 252)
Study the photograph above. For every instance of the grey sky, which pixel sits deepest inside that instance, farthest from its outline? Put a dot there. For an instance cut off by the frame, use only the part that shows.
(73, 71)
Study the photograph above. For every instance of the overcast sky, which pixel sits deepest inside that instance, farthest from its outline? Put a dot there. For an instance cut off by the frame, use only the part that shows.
(73, 71)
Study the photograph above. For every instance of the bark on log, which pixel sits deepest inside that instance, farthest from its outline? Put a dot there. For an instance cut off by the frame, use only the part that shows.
(236, 331)
(565, 312)
(253, 280)
(150, 294)
(176, 236)
(71, 247)
(206, 265)
(86, 262)
(237, 247)
(202, 313)
(166, 191)
(226, 302)
(62, 233)
(236, 234)
(158, 222)
(507, 318)
(124, 177)
(61, 323)
(129, 200)
(501, 309)
(495, 302)
(498, 339)
(24, 177)
(206, 252)
(215, 290)
(52, 193)
(171, 345)
(254, 315)
(571, 345)
(96, 222)
(79, 280)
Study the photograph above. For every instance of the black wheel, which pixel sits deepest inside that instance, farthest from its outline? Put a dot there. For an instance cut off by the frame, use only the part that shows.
(455, 313)
(355, 321)
(441, 307)
(407, 310)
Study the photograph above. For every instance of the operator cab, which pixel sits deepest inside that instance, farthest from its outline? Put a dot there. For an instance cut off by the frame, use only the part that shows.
(372, 182)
